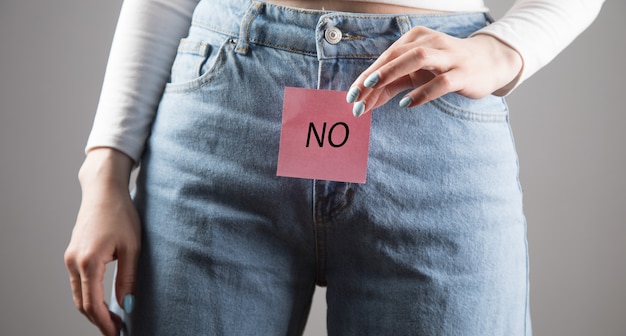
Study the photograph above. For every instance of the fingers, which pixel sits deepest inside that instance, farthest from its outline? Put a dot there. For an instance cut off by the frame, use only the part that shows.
(417, 37)
(414, 58)
(95, 307)
(377, 98)
(107, 228)
(414, 68)
(86, 276)
(439, 86)
(411, 70)
(417, 59)
(125, 278)
(75, 283)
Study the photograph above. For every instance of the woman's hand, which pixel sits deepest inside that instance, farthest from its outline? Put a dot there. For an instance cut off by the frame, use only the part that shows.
(107, 228)
(433, 64)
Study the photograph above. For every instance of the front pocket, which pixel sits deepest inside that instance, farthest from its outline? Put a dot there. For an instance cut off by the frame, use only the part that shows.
(487, 109)
(196, 64)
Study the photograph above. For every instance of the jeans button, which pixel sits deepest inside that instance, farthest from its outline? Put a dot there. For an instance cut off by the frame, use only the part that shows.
(332, 35)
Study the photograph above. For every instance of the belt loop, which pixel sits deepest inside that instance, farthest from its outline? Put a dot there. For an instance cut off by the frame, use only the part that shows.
(244, 30)
(489, 18)
(403, 24)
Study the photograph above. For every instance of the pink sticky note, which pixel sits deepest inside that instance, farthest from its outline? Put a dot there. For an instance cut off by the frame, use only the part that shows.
(321, 139)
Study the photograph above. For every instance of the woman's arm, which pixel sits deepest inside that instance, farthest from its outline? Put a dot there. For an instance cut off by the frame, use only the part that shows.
(540, 29)
(494, 60)
(142, 53)
(107, 226)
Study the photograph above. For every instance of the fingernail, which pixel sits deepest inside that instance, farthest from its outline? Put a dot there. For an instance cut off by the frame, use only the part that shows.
(405, 102)
(353, 94)
(371, 80)
(358, 109)
(129, 303)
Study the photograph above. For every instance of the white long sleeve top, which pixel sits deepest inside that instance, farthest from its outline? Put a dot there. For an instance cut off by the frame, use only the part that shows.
(148, 33)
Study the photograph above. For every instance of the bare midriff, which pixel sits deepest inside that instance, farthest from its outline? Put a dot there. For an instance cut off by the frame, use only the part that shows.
(351, 6)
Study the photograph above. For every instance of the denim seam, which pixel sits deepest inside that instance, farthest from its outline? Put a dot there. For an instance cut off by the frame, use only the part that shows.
(391, 16)
(348, 56)
(467, 115)
(206, 78)
(189, 46)
(527, 331)
(255, 41)
(215, 29)
(282, 47)
(336, 13)
(319, 230)
(350, 37)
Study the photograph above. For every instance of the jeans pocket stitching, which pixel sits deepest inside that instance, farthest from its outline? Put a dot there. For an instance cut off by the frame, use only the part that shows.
(457, 112)
(205, 78)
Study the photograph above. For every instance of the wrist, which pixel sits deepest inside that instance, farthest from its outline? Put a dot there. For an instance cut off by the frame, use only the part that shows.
(507, 63)
(105, 167)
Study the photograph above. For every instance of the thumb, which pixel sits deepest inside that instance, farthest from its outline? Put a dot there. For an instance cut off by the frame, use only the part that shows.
(125, 280)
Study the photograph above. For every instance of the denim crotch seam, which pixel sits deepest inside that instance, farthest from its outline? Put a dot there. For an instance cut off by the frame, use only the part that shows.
(319, 227)
(330, 200)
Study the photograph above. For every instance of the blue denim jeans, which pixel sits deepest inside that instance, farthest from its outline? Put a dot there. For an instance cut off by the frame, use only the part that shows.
(433, 244)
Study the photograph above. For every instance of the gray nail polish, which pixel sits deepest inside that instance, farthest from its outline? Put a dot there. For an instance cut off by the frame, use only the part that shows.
(358, 109)
(405, 102)
(372, 80)
(129, 303)
(353, 94)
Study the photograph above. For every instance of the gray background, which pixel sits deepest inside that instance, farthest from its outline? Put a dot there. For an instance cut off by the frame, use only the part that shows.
(568, 121)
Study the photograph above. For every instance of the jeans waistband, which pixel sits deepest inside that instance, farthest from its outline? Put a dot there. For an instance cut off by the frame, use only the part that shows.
(327, 34)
